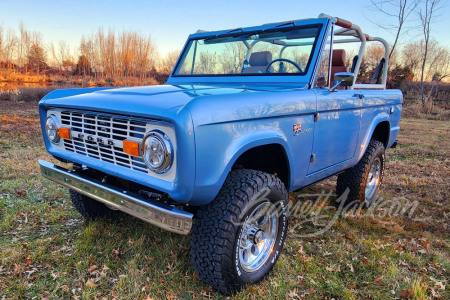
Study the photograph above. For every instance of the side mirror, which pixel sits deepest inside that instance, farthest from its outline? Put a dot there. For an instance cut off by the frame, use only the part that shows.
(344, 79)
(320, 81)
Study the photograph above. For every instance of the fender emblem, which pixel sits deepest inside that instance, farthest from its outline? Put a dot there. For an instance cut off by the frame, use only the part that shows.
(298, 129)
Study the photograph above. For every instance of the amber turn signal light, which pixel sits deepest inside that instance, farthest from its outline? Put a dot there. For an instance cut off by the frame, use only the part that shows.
(64, 133)
(131, 148)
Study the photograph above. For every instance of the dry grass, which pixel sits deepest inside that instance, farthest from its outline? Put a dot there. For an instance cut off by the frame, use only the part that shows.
(48, 251)
(27, 94)
(11, 76)
(12, 81)
(438, 108)
(32, 92)
(434, 110)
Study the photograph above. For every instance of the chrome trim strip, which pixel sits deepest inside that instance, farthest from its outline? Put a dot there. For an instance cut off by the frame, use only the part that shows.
(160, 215)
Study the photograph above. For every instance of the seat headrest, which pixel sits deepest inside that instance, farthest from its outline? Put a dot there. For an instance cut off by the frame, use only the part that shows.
(338, 58)
(262, 58)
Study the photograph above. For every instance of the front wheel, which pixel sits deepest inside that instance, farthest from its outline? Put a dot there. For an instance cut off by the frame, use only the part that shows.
(238, 237)
(91, 209)
(364, 179)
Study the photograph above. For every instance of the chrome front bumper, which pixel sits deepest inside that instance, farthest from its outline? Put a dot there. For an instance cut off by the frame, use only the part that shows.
(155, 213)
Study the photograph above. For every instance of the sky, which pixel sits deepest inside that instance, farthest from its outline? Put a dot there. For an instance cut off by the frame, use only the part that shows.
(169, 22)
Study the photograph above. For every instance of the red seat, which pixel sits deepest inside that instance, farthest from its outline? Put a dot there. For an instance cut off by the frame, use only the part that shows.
(337, 63)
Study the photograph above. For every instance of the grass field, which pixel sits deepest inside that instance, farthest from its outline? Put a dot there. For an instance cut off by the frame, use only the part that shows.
(48, 251)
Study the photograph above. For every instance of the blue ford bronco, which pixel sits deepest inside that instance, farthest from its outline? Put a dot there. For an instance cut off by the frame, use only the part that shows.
(246, 116)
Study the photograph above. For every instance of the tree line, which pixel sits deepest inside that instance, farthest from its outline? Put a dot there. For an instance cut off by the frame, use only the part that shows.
(102, 54)
(423, 60)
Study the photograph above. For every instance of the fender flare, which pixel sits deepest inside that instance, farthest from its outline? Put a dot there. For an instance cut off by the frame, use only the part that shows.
(383, 117)
(240, 146)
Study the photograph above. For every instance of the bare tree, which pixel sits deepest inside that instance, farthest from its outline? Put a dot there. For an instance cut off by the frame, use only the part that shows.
(24, 45)
(126, 52)
(411, 57)
(65, 57)
(374, 53)
(168, 62)
(206, 64)
(299, 57)
(86, 58)
(144, 56)
(439, 66)
(400, 10)
(120, 56)
(426, 13)
(232, 58)
(1, 44)
(55, 62)
(9, 47)
(124, 55)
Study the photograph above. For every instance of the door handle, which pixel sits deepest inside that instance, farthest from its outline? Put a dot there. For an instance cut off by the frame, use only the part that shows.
(360, 96)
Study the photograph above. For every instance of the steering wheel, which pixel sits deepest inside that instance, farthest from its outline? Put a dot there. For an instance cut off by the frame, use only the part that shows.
(281, 65)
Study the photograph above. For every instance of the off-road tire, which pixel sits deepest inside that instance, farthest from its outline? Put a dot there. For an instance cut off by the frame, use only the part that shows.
(355, 179)
(91, 209)
(218, 226)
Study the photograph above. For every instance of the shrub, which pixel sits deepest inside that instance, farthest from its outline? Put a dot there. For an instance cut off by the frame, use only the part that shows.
(28, 94)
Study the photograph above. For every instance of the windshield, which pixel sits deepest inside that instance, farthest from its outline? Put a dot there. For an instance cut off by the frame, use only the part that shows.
(275, 52)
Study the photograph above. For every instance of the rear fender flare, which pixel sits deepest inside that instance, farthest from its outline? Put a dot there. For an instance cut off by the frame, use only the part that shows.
(366, 140)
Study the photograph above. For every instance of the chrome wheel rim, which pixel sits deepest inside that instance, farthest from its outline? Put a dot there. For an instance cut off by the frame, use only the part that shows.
(373, 178)
(257, 237)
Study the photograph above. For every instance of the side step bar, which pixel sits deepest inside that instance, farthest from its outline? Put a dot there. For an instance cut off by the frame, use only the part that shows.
(155, 213)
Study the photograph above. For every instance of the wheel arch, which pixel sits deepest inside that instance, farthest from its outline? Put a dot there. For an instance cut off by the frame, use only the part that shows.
(379, 130)
(270, 158)
(213, 168)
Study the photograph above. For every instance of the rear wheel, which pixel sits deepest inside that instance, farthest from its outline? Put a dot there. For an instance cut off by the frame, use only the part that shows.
(237, 238)
(364, 180)
(91, 209)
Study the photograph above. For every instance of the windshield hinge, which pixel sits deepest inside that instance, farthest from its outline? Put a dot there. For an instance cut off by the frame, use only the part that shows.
(316, 117)
(236, 29)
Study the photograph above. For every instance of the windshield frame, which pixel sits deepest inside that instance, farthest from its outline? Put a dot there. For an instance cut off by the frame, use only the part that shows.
(297, 78)
(190, 42)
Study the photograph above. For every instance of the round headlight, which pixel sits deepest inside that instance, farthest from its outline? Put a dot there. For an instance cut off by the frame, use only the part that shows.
(51, 129)
(157, 151)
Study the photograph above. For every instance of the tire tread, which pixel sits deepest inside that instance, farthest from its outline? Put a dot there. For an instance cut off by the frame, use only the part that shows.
(214, 233)
(355, 178)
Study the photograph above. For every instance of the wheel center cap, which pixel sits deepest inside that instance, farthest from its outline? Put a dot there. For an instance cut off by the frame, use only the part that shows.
(259, 236)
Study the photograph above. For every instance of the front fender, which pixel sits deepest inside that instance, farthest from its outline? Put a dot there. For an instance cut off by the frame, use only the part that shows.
(216, 156)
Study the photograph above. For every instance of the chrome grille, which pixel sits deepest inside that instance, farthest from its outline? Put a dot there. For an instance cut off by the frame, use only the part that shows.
(101, 137)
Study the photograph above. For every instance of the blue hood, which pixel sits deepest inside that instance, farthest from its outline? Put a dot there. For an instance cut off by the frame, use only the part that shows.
(147, 101)
(150, 101)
